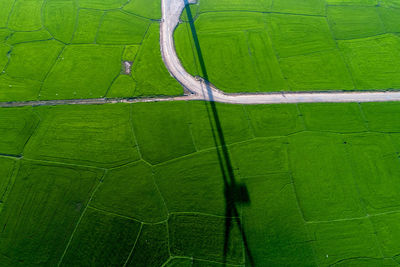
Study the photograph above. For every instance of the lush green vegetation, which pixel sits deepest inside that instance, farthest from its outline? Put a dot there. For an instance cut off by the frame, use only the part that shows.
(294, 45)
(144, 184)
(68, 49)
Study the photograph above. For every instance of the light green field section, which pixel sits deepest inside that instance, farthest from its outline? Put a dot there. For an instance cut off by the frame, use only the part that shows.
(153, 240)
(5, 9)
(18, 89)
(293, 46)
(26, 15)
(197, 177)
(271, 160)
(41, 212)
(233, 120)
(352, 2)
(354, 22)
(112, 237)
(375, 166)
(26, 37)
(372, 61)
(33, 60)
(16, 127)
(230, 41)
(294, 35)
(274, 120)
(60, 17)
(322, 176)
(137, 196)
(122, 86)
(382, 117)
(323, 70)
(88, 23)
(89, 135)
(83, 71)
(146, 8)
(187, 238)
(390, 18)
(319, 189)
(121, 28)
(162, 132)
(333, 117)
(235, 5)
(93, 35)
(306, 7)
(102, 4)
(149, 70)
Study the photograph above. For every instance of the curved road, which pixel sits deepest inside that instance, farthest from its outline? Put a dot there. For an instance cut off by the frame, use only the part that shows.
(199, 90)
(171, 11)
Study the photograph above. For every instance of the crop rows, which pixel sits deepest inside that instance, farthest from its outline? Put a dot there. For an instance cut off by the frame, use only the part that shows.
(62, 49)
(143, 185)
(286, 45)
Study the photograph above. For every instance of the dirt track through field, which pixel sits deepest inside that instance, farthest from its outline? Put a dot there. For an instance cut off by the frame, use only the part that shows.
(201, 90)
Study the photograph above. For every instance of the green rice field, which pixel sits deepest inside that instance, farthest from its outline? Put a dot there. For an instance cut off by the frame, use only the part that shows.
(145, 185)
(62, 49)
(196, 183)
(294, 45)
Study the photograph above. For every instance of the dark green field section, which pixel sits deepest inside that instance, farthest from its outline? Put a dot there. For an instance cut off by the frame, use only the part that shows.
(293, 45)
(70, 49)
(146, 185)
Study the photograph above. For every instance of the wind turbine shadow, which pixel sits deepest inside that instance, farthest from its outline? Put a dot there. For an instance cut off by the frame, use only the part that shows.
(235, 193)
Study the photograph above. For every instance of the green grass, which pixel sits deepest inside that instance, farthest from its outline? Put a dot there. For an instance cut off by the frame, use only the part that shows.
(162, 132)
(86, 28)
(33, 61)
(333, 117)
(322, 182)
(59, 18)
(322, 175)
(197, 177)
(83, 71)
(307, 7)
(89, 135)
(237, 5)
(274, 120)
(5, 9)
(101, 4)
(121, 28)
(26, 15)
(355, 22)
(149, 70)
(137, 196)
(352, 2)
(16, 127)
(390, 19)
(372, 61)
(18, 89)
(323, 70)
(41, 212)
(146, 8)
(96, 231)
(26, 37)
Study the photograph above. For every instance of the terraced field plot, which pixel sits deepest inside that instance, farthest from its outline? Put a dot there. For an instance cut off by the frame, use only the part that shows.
(145, 185)
(266, 46)
(62, 49)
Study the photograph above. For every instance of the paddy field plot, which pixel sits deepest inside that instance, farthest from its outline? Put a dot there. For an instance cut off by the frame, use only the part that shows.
(62, 49)
(142, 185)
(292, 45)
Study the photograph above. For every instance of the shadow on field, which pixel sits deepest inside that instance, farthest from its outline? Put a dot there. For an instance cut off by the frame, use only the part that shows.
(235, 193)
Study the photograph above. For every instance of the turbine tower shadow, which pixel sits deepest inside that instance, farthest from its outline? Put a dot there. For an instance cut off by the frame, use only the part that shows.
(235, 193)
